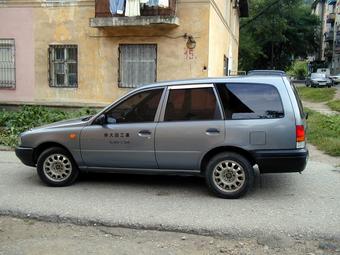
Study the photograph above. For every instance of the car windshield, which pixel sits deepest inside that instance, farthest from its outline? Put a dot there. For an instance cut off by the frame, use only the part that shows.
(318, 75)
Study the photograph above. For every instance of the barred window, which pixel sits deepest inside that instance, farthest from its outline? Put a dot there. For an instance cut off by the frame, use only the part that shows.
(7, 63)
(63, 71)
(137, 64)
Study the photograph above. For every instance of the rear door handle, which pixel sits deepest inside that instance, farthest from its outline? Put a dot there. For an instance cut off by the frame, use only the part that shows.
(212, 131)
(144, 133)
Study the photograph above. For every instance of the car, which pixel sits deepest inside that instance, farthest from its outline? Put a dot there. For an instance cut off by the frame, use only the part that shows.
(216, 128)
(318, 80)
(267, 72)
(335, 78)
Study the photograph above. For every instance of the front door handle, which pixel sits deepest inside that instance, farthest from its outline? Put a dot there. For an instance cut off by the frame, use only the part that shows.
(144, 133)
(212, 131)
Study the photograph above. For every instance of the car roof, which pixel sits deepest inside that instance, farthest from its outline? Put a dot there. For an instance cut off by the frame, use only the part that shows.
(266, 72)
(230, 79)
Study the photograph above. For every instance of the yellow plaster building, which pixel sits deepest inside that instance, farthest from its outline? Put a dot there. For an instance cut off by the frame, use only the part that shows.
(76, 52)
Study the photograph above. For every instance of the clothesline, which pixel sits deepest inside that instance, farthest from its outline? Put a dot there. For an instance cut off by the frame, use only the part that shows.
(132, 7)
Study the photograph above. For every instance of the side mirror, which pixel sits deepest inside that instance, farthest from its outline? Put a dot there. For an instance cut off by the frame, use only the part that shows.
(101, 120)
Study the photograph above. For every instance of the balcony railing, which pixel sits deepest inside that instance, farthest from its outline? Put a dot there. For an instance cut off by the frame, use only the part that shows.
(149, 15)
(331, 18)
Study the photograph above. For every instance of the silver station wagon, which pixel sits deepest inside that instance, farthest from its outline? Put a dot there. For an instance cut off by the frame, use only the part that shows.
(218, 128)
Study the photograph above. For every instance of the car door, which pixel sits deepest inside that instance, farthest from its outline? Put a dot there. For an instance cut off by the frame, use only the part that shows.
(190, 124)
(126, 139)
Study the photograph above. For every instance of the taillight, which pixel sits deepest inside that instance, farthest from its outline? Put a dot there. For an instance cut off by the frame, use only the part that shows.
(300, 136)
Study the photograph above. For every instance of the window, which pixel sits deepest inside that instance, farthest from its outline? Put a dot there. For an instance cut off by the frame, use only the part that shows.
(192, 104)
(140, 107)
(250, 101)
(63, 66)
(137, 64)
(225, 66)
(7, 63)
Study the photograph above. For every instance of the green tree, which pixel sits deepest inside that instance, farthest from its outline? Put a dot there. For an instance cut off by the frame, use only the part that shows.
(277, 32)
(298, 69)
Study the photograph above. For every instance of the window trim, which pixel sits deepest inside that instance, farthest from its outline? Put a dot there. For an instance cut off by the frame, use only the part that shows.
(120, 85)
(126, 97)
(189, 86)
(245, 83)
(11, 86)
(51, 69)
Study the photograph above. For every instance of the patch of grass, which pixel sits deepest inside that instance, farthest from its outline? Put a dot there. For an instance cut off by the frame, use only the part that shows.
(12, 123)
(316, 94)
(334, 105)
(324, 132)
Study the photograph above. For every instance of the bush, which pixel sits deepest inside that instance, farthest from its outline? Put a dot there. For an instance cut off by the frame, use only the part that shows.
(12, 123)
(298, 70)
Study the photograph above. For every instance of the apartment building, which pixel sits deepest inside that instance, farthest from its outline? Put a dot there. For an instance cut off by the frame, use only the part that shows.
(90, 52)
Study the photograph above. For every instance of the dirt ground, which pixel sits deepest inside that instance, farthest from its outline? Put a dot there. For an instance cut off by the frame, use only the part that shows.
(26, 236)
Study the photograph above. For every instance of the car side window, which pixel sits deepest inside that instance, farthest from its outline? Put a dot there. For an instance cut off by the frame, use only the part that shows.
(140, 107)
(250, 101)
(192, 104)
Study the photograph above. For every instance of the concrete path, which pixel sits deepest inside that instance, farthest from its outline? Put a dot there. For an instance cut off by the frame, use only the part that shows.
(305, 204)
(319, 107)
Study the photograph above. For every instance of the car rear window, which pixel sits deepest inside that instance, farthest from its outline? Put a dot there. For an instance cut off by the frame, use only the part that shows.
(250, 101)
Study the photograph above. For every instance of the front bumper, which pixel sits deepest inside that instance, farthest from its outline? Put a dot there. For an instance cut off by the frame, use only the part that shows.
(25, 155)
(281, 161)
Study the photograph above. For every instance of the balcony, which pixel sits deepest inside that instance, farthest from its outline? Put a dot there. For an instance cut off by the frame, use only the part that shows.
(149, 16)
(337, 49)
(331, 18)
(329, 36)
(328, 52)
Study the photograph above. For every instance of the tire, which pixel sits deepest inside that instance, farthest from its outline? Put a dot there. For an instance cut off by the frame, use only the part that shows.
(56, 167)
(238, 177)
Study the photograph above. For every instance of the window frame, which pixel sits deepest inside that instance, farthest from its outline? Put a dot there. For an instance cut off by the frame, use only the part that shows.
(120, 84)
(245, 83)
(52, 62)
(126, 97)
(189, 86)
(11, 86)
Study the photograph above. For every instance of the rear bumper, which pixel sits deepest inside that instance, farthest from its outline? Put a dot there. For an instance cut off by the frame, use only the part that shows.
(281, 161)
(25, 155)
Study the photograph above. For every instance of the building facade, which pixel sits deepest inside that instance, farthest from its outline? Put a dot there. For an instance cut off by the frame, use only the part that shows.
(85, 52)
(329, 50)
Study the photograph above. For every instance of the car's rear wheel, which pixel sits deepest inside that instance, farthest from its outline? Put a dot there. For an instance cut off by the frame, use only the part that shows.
(229, 175)
(56, 167)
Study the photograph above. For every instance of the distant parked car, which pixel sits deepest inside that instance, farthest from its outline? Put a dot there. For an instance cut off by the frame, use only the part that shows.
(267, 72)
(335, 78)
(318, 80)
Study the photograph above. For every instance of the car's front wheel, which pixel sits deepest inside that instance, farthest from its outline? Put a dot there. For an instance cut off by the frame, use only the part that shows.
(229, 175)
(56, 167)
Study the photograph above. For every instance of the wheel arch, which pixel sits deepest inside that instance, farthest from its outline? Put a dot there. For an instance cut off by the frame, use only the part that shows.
(221, 149)
(45, 145)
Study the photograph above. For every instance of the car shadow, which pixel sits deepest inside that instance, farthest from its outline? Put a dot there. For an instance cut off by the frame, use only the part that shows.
(265, 185)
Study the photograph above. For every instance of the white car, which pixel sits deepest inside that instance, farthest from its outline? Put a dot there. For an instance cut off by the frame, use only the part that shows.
(335, 78)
